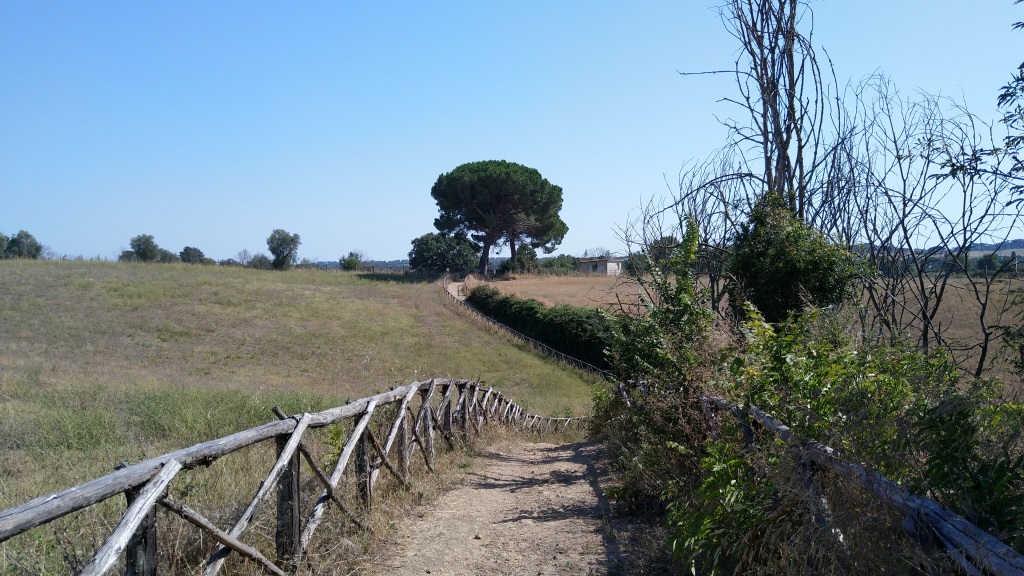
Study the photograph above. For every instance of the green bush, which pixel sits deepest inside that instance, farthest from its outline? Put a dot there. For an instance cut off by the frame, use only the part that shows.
(782, 266)
(581, 333)
(563, 263)
(893, 409)
(526, 261)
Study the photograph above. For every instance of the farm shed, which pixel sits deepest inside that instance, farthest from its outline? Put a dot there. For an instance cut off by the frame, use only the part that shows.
(600, 266)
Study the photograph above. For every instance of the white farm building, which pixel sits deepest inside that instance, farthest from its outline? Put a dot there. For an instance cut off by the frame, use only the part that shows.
(600, 266)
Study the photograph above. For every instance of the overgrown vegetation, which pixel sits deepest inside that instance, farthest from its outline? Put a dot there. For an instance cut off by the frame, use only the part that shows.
(800, 288)
(779, 264)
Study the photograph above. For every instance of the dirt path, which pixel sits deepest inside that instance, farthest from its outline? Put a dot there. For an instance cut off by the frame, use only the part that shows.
(536, 509)
(457, 289)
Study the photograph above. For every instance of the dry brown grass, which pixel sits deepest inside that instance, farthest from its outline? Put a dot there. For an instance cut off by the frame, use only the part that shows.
(958, 318)
(583, 291)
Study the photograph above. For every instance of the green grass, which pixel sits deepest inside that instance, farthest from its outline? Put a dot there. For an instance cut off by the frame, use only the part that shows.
(101, 361)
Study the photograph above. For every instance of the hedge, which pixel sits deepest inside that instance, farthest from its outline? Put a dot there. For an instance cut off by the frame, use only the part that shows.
(582, 333)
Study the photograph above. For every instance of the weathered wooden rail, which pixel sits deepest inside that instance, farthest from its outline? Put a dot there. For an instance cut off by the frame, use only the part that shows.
(975, 551)
(447, 409)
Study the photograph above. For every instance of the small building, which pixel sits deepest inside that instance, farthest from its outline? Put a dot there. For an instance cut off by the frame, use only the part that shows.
(607, 266)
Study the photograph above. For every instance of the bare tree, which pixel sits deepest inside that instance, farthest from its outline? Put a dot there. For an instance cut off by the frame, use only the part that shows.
(918, 221)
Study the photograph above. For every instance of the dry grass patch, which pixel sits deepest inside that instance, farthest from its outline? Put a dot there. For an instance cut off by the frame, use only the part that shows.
(582, 291)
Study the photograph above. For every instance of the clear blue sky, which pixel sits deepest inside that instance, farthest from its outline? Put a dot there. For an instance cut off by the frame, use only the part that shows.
(210, 124)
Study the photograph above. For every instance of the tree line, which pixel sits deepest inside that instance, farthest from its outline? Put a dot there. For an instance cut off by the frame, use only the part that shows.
(282, 245)
(21, 246)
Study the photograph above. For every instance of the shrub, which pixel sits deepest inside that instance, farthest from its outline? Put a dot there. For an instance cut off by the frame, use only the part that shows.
(581, 333)
(780, 265)
(353, 261)
(260, 262)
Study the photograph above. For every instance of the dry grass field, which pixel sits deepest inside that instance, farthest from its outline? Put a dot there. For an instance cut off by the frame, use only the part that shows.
(958, 317)
(584, 291)
(102, 362)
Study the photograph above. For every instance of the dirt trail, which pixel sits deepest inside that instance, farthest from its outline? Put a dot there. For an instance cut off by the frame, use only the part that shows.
(536, 509)
(457, 289)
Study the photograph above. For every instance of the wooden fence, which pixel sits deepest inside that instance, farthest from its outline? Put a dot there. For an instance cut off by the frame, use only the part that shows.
(447, 409)
(975, 551)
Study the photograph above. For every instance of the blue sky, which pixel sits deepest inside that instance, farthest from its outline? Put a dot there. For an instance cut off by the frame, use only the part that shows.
(211, 124)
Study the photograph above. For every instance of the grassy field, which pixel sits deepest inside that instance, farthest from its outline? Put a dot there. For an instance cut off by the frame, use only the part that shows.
(101, 362)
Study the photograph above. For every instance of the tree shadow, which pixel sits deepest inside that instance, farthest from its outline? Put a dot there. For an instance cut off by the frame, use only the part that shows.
(397, 278)
(585, 455)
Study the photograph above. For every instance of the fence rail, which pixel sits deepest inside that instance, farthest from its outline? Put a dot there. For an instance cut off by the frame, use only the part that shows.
(515, 334)
(463, 409)
(975, 551)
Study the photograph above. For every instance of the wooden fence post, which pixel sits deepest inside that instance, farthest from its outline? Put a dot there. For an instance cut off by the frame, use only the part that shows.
(464, 413)
(363, 470)
(428, 434)
(286, 536)
(447, 424)
(403, 446)
(141, 552)
(426, 416)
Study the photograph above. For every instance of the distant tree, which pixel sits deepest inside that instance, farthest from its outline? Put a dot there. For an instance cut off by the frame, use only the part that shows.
(192, 255)
(284, 247)
(260, 262)
(3, 244)
(988, 263)
(660, 251)
(354, 261)
(144, 248)
(165, 256)
(229, 262)
(525, 261)
(562, 263)
(243, 257)
(437, 253)
(496, 201)
(23, 246)
(597, 252)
